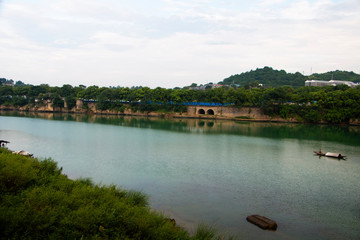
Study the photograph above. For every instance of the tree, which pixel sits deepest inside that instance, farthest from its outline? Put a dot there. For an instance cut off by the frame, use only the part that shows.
(2, 81)
(240, 98)
(19, 101)
(89, 93)
(6, 91)
(21, 91)
(67, 90)
(104, 99)
(58, 102)
(19, 84)
(70, 102)
(34, 91)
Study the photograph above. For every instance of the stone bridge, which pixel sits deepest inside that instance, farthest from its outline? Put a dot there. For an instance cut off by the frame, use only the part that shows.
(226, 112)
(205, 110)
(196, 111)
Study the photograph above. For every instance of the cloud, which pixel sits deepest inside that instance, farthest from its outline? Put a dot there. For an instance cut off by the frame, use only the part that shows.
(173, 43)
(266, 3)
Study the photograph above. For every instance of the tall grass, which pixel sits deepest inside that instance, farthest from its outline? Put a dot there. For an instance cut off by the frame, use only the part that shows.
(205, 232)
(37, 201)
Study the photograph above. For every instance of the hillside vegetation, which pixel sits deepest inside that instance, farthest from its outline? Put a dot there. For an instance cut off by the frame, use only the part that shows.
(329, 104)
(268, 77)
(277, 78)
(336, 75)
(37, 201)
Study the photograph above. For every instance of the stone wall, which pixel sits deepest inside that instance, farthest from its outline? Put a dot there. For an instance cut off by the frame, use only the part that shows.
(209, 112)
(229, 112)
(217, 112)
(39, 107)
(214, 112)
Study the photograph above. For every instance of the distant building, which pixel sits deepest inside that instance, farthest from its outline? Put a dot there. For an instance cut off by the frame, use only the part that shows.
(321, 83)
(217, 86)
(206, 86)
(317, 83)
(338, 82)
(201, 87)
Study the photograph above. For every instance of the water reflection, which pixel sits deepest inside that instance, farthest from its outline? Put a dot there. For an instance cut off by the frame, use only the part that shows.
(217, 172)
(343, 134)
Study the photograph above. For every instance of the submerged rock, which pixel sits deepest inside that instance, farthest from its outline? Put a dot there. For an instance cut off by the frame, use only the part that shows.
(262, 222)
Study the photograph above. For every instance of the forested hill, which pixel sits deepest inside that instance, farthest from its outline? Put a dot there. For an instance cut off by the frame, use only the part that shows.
(336, 75)
(276, 78)
(268, 77)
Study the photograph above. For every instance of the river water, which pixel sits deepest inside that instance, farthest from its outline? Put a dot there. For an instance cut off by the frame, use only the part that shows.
(213, 172)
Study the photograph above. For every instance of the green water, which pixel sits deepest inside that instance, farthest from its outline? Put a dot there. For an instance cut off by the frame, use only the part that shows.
(214, 172)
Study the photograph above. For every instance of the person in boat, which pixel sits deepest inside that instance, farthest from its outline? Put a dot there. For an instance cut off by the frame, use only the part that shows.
(320, 151)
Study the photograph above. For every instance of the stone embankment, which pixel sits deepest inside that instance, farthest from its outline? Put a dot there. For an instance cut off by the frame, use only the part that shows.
(206, 112)
(226, 113)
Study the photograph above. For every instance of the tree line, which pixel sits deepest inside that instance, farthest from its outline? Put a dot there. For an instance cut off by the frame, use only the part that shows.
(331, 104)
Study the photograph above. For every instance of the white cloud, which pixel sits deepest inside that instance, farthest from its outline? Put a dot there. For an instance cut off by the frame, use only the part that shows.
(173, 43)
(270, 3)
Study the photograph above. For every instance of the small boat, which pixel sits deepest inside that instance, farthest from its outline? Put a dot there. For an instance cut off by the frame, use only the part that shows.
(334, 155)
(329, 154)
(3, 143)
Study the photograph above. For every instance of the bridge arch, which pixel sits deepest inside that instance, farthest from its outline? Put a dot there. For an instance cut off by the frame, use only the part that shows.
(201, 111)
(210, 112)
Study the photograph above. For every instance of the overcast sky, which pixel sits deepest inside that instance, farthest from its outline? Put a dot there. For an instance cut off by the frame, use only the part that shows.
(171, 43)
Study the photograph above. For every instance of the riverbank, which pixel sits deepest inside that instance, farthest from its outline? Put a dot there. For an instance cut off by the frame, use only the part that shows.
(38, 201)
(205, 112)
(245, 114)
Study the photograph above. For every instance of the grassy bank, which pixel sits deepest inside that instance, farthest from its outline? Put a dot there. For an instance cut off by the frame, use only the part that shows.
(37, 201)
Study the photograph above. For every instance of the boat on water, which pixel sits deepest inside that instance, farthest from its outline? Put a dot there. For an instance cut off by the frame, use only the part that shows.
(3, 143)
(329, 154)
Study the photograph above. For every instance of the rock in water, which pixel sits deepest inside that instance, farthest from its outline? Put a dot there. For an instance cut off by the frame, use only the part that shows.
(262, 222)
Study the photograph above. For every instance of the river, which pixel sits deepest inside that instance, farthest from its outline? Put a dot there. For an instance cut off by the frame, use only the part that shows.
(213, 172)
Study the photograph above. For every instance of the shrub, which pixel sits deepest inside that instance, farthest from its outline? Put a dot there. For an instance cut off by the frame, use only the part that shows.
(38, 202)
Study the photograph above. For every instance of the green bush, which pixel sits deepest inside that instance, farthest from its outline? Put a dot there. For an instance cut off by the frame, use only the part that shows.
(39, 202)
(204, 232)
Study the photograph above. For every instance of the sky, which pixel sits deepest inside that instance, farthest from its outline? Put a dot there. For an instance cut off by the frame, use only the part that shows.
(173, 43)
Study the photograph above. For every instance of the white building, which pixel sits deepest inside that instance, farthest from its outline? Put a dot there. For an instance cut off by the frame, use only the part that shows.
(321, 83)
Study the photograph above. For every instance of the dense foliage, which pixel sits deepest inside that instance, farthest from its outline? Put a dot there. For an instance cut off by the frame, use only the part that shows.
(275, 78)
(38, 202)
(336, 75)
(268, 77)
(4, 81)
(338, 104)
(331, 104)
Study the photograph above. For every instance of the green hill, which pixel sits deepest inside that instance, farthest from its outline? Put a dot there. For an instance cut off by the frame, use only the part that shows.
(268, 77)
(275, 78)
(336, 75)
